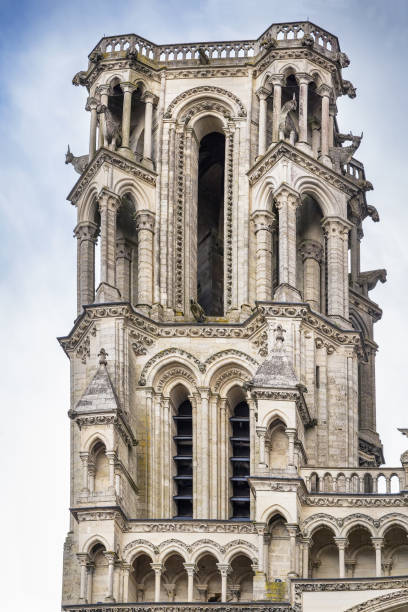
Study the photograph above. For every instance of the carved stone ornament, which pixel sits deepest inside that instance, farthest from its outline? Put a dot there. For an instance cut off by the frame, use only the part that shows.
(205, 90)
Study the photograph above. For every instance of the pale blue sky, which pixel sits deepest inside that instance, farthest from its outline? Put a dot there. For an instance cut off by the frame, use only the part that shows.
(43, 44)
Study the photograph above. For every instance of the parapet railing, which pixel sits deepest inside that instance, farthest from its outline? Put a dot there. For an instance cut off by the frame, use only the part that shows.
(355, 169)
(180, 607)
(283, 34)
(354, 480)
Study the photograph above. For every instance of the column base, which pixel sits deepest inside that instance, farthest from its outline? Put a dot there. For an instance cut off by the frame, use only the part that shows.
(305, 147)
(107, 293)
(259, 586)
(287, 293)
(148, 163)
(127, 152)
(326, 161)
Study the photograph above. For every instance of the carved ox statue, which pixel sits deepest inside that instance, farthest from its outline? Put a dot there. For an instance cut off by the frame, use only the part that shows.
(79, 163)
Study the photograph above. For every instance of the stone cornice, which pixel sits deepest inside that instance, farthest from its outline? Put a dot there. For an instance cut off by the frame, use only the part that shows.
(148, 330)
(117, 418)
(116, 160)
(284, 149)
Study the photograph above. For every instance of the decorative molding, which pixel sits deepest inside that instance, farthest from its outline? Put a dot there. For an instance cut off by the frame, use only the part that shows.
(202, 607)
(235, 373)
(178, 372)
(140, 342)
(118, 420)
(357, 502)
(382, 602)
(284, 149)
(179, 221)
(231, 352)
(104, 155)
(228, 212)
(172, 350)
(191, 527)
(137, 543)
(204, 89)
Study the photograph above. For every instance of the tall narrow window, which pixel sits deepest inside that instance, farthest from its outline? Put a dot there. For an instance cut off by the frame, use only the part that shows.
(240, 462)
(183, 459)
(210, 224)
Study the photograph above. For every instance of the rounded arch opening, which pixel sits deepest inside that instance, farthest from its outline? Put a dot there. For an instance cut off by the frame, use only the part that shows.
(239, 454)
(182, 452)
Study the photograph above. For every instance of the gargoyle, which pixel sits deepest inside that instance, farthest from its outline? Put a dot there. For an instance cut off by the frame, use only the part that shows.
(373, 213)
(343, 60)
(197, 311)
(365, 185)
(79, 163)
(202, 56)
(308, 40)
(342, 155)
(80, 78)
(131, 54)
(349, 89)
(268, 42)
(368, 280)
(95, 56)
(286, 124)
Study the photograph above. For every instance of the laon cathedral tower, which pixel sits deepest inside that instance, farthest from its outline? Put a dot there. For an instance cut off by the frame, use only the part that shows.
(224, 449)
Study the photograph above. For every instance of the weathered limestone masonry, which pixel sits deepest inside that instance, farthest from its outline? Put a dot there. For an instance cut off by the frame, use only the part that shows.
(224, 451)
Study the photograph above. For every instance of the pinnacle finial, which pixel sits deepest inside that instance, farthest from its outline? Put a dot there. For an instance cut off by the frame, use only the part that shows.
(279, 331)
(102, 357)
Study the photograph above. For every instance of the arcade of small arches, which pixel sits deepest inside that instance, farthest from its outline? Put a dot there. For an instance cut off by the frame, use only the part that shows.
(207, 572)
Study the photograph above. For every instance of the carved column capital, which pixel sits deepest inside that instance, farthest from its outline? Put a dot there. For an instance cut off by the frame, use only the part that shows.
(157, 567)
(286, 195)
(276, 80)
(128, 87)
(108, 199)
(145, 220)
(224, 569)
(190, 568)
(263, 220)
(91, 104)
(260, 528)
(262, 93)
(341, 543)
(149, 97)
(123, 249)
(378, 543)
(302, 78)
(83, 558)
(336, 227)
(261, 432)
(310, 249)
(103, 90)
(324, 91)
(86, 230)
(292, 529)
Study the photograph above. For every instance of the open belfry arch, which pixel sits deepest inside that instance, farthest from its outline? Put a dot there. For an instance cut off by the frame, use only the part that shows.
(224, 449)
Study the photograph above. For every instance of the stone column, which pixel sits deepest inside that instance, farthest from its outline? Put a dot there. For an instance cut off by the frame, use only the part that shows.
(157, 568)
(111, 558)
(261, 433)
(260, 529)
(332, 116)
(355, 235)
(378, 543)
(86, 233)
(262, 94)
(341, 545)
(292, 531)
(109, 203)
(303, 81)
(205, 457)
(306, 544)
(145, 231)
(90, 568)
(291, 433)
(103, 91)
(85, 485)
(127, 569)
(276, 80)
(287, 200)
(223, 465)
(263, 221)
(190, 569)
(91, 105)
(224, 570)
(312, 253)
(111, 455)
(336, 230)
(149, 99)
(83, 559)
(128, 89)
(325, 91)
(315, 138)
(123, 265)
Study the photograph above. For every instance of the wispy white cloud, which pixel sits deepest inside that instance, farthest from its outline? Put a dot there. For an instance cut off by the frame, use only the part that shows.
(45, 44)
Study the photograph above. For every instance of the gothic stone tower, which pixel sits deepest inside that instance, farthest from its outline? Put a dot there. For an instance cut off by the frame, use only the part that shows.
(223, 432)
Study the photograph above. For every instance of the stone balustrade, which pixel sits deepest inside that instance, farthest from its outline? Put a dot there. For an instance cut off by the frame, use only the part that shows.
(294, 34)
(180, 607)
(352, 480)
(355, 170)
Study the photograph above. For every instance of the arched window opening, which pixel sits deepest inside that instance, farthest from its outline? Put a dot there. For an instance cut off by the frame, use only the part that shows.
(361, 552)
(395, 552)
(137, 119)
(276, 444)
(314, 483)
(210, 224)
(207, 579)
(99, 469)
(240, 579)
(311, 270)
(289, 126)
(174, 583)
(368, 483)
(141, 579)
(183, 459)
(278, 563)
(115, 111)
(240, 462)
(324, 555)
(97, 586)
(126, 251)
